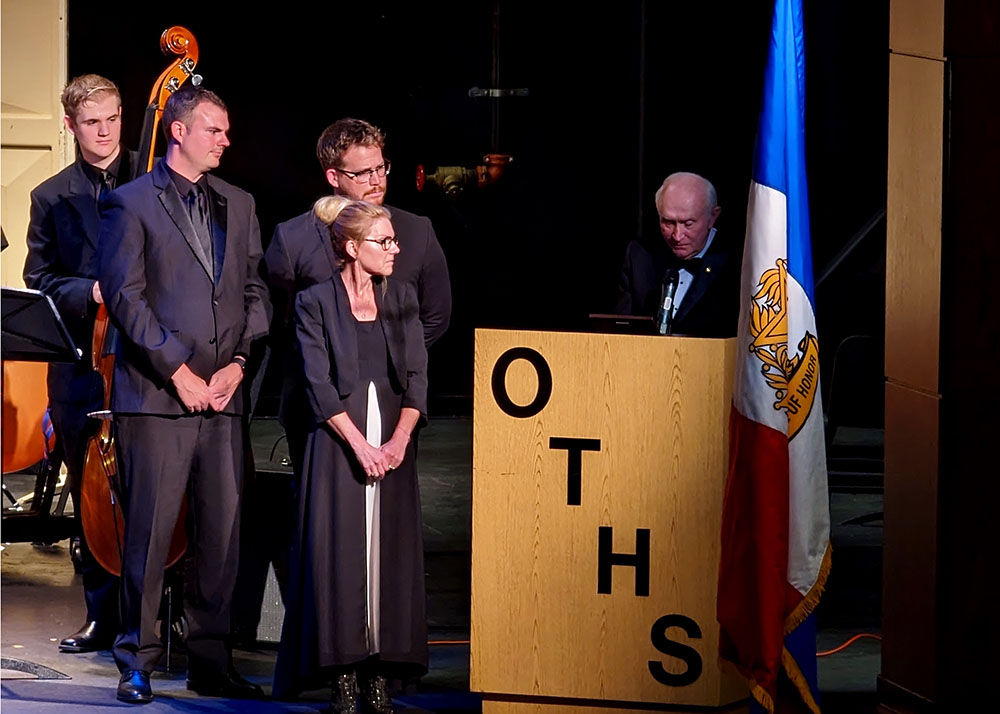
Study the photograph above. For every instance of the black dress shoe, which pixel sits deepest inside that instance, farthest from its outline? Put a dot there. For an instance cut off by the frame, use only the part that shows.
(231, 686)
(134, 687)
(88, 638)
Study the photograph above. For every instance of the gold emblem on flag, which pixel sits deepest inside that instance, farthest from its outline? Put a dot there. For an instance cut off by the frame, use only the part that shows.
(795, 378)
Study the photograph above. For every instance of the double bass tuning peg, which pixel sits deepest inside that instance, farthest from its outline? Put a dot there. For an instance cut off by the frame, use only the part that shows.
(188, 66)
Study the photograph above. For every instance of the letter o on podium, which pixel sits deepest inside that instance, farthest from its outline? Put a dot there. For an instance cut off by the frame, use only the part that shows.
(499, 382)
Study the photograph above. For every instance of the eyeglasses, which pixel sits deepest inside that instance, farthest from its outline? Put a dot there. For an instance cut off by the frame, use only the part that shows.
(385, 242)
(382, 170)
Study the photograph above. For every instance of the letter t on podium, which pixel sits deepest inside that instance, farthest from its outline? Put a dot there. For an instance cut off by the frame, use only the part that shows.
(574, 466)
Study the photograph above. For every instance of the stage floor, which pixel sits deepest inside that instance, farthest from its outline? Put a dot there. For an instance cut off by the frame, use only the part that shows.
(41, 602)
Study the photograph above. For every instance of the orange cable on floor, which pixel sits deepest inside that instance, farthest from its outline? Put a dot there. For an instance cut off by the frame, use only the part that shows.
(850, 642)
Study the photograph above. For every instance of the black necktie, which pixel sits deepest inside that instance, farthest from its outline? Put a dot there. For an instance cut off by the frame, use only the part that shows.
(198, 210)
(106, 182)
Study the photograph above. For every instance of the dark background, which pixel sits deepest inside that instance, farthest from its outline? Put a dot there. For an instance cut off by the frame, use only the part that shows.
(620, 96)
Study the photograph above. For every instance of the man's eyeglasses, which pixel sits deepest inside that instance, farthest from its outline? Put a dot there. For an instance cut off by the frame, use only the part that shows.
(382, 170)
(384, 242)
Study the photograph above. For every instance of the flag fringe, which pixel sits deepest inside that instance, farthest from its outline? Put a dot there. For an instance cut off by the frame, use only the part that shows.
(805, 608)
(762, 697)
(794, 619)
(798, 679)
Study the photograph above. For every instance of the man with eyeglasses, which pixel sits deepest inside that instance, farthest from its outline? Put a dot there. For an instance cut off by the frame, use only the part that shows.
(300, 255)
(707, 275)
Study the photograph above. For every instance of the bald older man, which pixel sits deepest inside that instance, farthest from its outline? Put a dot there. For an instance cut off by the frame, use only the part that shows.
(706, 303)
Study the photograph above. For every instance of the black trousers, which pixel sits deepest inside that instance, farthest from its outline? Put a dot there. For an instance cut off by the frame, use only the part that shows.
(268, 529)
(73, 428)
(161, 461)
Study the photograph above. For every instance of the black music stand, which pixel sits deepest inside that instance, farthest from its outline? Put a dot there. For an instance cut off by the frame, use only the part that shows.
(32, 329)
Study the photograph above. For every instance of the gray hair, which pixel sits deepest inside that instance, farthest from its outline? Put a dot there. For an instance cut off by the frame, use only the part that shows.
(711, 197)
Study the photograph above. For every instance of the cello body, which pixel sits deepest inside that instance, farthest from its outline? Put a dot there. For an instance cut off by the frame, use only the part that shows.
(25, 398)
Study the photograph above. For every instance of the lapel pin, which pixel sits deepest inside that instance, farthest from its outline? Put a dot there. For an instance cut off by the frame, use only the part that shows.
(708, 268)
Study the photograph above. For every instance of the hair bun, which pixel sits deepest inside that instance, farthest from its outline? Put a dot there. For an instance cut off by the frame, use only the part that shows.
(329, 207)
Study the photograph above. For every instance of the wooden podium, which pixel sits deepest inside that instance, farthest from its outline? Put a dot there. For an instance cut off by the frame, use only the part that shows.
(599, 467)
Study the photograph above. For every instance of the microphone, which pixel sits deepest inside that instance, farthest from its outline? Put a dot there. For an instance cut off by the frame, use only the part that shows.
(666, 314)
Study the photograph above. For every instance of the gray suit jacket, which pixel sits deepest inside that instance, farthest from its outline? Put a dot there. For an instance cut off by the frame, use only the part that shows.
(171, 302)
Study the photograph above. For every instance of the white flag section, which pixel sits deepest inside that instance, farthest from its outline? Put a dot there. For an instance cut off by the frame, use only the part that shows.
(777, 382)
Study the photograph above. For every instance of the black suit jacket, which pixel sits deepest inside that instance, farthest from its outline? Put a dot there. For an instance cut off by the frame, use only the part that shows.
(62, 263)
(300, 255)
(328, 344)
(710, 307)
(173, 304)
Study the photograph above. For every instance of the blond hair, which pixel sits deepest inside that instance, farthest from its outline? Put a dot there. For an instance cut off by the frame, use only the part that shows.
(87, 88)
(348, 220)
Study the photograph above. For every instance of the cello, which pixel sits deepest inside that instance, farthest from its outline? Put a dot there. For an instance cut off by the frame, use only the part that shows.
(100, 489)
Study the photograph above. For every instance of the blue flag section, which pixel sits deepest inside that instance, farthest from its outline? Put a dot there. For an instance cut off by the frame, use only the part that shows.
(780, 163)
(780, 151)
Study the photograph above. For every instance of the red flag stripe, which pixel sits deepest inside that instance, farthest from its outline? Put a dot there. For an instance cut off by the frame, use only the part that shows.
(753, 570)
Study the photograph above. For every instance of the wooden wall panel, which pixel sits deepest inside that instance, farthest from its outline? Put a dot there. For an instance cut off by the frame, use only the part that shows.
(34, 146)
(660, 409)
(917, 27)
(913, 221)
(910, 539)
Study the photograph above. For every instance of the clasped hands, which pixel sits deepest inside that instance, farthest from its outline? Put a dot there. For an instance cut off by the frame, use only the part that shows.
(197, 395)
(378, 462)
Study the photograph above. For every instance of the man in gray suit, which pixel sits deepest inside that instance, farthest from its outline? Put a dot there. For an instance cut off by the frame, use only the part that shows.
(179, 257)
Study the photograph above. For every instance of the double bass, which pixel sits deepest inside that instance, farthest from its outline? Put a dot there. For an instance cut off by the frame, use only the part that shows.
(100, 507)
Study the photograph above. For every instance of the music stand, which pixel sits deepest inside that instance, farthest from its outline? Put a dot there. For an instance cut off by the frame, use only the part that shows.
(32, 330)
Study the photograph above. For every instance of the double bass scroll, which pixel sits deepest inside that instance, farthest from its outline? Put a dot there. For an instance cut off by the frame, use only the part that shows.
(179, 41)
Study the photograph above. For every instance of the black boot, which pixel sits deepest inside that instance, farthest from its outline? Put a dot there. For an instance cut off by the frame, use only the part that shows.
(375, 695)
(345, 694)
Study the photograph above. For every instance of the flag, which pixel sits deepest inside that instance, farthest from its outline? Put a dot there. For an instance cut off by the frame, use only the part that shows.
(775, 525)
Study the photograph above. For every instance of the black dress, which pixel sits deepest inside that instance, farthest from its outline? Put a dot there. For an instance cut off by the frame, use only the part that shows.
(329, 621)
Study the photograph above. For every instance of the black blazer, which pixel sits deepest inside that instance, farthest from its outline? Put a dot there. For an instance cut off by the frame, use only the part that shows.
(62, 263)
(300, 255)
(328, 344)
(711, 305)
(172, 303)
